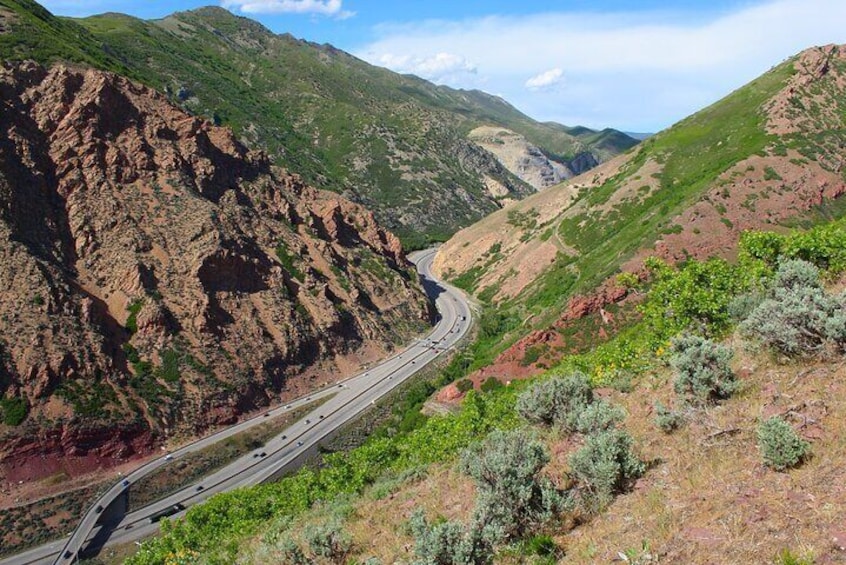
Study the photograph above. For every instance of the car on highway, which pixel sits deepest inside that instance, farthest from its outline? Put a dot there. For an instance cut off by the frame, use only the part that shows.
(299, 444)
(99, 508)
(125, 482)
(199, 488)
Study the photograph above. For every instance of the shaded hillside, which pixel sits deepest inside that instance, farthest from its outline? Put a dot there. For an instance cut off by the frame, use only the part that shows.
(769, 155)
(160, 278)
(395, 143)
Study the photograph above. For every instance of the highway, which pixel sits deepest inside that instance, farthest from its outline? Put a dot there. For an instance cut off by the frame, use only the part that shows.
(346, 400)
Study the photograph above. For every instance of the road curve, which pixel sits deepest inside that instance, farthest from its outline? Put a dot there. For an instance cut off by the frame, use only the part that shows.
(346, 400)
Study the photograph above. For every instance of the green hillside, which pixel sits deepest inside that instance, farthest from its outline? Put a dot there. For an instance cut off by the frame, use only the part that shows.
(763, 157)
(395, 143)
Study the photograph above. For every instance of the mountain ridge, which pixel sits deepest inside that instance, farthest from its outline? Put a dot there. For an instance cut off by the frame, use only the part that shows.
(386, 140)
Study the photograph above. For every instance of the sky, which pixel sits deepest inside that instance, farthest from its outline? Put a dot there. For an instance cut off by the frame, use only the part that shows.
(635, 66)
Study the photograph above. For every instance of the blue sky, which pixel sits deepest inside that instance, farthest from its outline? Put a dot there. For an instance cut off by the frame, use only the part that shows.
(636, 66)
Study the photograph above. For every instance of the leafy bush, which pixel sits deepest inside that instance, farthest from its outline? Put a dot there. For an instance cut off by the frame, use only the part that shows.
(824, 246)
(512, 497)
(798, 317)
(559, 400)
(604, 466)
(703, 371)
(666, 419)
(695, 297)
(599, 416)
(448, 543)
(780, 445)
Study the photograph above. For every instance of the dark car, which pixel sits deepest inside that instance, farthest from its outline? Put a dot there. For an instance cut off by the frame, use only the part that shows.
(263, 454)
(199, 488)
(125, 482)
(99, 508)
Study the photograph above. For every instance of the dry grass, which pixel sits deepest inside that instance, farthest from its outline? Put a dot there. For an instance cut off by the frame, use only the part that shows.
(709, 499)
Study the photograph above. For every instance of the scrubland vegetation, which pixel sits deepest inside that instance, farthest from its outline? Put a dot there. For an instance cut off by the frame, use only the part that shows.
(500, 439)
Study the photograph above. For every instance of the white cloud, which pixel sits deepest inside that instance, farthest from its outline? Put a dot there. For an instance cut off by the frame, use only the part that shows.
(634, 70)
(545, 80)
(439, 68)
(320, 7)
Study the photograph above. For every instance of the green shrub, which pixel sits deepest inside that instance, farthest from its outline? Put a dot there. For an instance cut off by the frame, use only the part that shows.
(329, 541)
(666, 419)
(824, 246)
(703, 371)
(599, 416)
(798, 317)
(695, 297)
(603, 467)
(787, 557)
(743, 305)
(289, 553)
(780, 445)
(491, 384)
(512, 497)
(14, 410)
(543, 546)
(464, 385)
(559, 401)
(796, 273)
(134, 309)
(448, 543)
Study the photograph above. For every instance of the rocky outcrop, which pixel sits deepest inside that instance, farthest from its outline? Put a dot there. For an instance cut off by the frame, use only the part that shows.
(159, 278)
(525, 160)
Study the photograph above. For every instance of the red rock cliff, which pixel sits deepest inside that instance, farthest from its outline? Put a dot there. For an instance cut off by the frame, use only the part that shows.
(156, 276)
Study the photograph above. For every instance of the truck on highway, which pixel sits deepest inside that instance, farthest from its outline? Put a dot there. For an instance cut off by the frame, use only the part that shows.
(169, 511)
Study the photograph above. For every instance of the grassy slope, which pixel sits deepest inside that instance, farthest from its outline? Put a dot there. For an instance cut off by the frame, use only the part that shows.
(694, 153)
(601, 230)
(36, 34)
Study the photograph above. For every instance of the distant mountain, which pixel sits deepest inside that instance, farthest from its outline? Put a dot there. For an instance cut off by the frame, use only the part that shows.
(396, 143)
(767, 156)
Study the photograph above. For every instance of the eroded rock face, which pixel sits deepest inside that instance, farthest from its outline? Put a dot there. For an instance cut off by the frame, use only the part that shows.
(158, 277)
